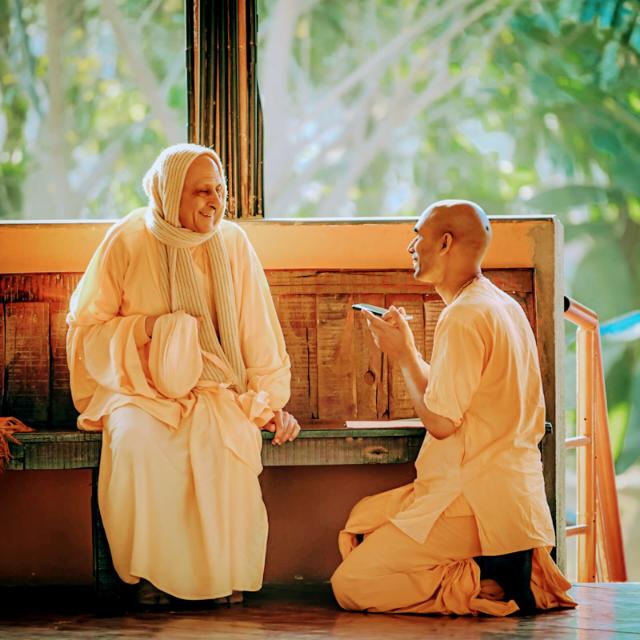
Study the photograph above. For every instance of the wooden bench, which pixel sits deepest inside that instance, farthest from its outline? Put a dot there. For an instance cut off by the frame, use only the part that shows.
(335, 374)
(48, 450)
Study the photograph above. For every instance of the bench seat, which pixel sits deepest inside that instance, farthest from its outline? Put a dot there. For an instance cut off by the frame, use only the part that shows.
(319, 444)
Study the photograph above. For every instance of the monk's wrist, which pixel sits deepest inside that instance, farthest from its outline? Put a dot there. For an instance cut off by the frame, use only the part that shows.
(408, 358)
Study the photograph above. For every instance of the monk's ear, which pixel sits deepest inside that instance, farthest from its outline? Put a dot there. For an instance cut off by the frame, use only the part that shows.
(446, 242)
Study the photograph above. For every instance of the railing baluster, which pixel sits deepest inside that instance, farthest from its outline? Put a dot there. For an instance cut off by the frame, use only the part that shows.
(598, 511)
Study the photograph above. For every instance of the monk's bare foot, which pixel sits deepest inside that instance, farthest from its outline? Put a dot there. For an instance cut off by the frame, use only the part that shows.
(236, 597)
(149, 596)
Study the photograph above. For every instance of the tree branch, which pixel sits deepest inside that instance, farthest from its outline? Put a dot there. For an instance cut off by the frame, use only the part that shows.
(129, 44)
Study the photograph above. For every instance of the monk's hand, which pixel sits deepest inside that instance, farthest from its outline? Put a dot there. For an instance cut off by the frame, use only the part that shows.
(391, 333)
(284, 427)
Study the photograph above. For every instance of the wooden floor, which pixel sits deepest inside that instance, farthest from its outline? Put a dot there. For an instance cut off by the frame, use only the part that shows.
(605, 611)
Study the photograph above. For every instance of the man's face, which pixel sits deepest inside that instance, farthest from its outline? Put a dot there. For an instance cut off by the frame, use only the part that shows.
(424, 250)
(202, 196)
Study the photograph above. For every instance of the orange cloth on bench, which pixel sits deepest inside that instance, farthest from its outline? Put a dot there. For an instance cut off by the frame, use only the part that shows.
(9, 426)
(178, 486)
(485, 378)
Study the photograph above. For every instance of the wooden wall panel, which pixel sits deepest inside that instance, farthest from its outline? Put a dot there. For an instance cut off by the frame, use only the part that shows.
(433, 306)
(400, 405)
(297, 315)
(27, 362)
(336, 379)
(313, 281)
(2, 355)
(369, 366)
(63, 414)
(336, 371)
(38, 287)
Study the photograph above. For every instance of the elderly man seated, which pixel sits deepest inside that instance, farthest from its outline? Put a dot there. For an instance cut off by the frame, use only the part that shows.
(176, 354)
(472, 533)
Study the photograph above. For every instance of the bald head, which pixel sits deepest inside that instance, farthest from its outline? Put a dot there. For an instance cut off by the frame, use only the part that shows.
(467, 223)
(451, 239)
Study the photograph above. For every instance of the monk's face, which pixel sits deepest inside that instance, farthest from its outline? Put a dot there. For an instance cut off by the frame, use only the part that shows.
(426, 251)
(201, 202)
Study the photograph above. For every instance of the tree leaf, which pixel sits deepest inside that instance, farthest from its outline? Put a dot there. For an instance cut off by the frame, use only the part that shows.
(567, 197)
(631, 447)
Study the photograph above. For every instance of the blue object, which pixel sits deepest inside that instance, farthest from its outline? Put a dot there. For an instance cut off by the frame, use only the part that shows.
(625, 328)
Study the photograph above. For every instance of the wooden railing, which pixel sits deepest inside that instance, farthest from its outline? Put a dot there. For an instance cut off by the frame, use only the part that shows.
(598, 516)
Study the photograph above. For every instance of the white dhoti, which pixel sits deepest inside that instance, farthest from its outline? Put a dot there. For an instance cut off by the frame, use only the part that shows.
(167, 503)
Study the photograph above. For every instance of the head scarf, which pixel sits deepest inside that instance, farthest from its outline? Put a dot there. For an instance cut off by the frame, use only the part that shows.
(163, 183)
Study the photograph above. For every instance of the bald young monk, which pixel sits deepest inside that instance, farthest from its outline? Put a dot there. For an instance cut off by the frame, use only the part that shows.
(176, 354)
(473, 532)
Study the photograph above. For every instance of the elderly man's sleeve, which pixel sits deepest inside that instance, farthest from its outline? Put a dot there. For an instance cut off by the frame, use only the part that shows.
(456, 368)
(103, 348)
(263, 347)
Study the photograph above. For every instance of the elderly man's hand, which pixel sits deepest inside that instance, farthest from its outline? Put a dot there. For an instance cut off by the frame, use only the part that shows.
(392, 333)
(284, 427)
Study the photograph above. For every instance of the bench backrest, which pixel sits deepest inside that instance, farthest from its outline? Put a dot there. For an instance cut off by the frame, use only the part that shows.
(336, 372)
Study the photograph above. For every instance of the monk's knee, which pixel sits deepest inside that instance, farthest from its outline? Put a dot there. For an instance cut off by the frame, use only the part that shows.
(343, 586)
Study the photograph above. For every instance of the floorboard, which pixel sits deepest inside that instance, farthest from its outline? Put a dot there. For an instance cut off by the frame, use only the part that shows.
(306, 613)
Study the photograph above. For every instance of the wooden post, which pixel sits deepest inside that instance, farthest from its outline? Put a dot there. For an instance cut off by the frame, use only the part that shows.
(224, 107)
(108, 586)
(586, 455)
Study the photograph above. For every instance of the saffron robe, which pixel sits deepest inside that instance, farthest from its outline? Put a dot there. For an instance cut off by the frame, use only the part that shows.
(178, 483)
(485, 477)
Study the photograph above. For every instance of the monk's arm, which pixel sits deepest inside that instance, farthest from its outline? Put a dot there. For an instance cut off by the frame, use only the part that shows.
(416, 377)
(393, 336)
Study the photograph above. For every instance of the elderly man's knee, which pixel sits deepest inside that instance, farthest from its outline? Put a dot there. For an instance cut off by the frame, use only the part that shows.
(132, 430)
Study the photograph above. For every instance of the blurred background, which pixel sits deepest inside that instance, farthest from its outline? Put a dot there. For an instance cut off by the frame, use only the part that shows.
(371, 108)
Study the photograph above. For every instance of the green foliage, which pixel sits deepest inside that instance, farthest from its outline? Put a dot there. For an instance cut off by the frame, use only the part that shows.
(545, 119)
(83, 127)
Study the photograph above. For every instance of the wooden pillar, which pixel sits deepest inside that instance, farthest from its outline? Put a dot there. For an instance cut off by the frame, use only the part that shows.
(224, 105)
(548, 241)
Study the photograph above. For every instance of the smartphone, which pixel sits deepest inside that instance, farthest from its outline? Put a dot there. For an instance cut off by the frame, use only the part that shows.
(377, 311)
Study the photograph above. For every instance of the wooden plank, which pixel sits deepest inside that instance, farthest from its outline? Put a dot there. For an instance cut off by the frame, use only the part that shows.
(314, 447)
(2, 355)
(63, 414)
(81, 449)
(511, 280)
(336, 451)
(297, 316)
(66, 455)
(27, 362)
(336, 380)
(38, 287)
(400, 404)
(433, 306)
(394, 280)
(369, 366)
(529, 306)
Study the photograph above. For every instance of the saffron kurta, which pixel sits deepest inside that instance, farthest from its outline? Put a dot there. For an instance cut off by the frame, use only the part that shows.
(485, 480)
(178, 483)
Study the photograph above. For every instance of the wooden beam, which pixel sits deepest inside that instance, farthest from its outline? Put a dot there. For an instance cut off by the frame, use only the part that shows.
(58, 247)
(320, 446)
